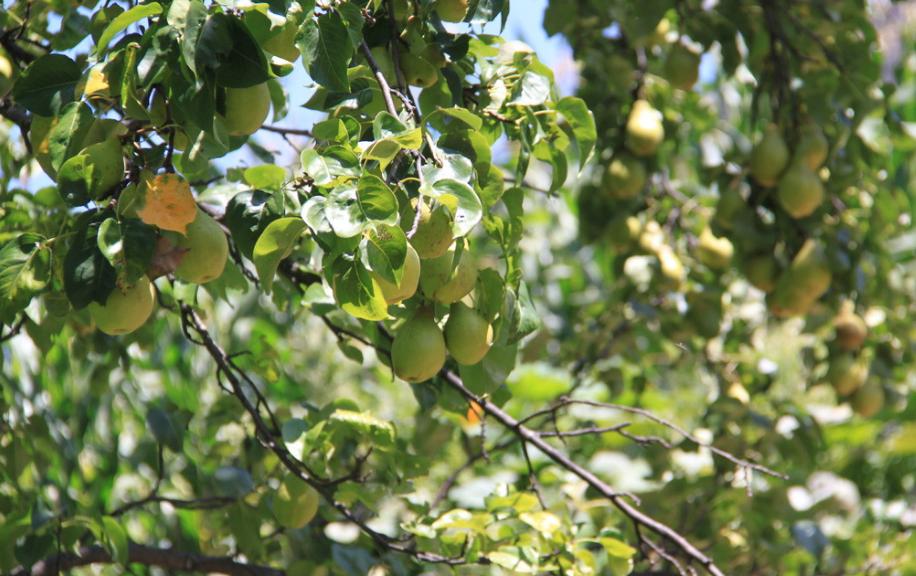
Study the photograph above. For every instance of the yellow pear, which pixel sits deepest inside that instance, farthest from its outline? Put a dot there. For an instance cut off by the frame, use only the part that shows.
(671, 266)
(125, 310)
(283, 43)
(714, 252)
(468, 336)
(246, 109)
(7, 71)
(625, 177)
(800, 191)
(644, 130)
(418, 349)
(410, 278)
(769, 157)
(207, 251)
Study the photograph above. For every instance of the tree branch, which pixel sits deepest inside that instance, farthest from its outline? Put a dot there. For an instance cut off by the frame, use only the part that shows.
(166, 558)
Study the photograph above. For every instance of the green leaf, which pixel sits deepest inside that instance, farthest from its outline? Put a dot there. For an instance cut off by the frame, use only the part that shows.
(47, 84)
(227, 49)
(123, 20)
(462, 201)
(357, 292)
(386, 251)
(276, 243)
(163, 428)
(538, 382)
(544, 522)
(343, 211)
(332, 51)
(617, 548)
(188, 17)
(268, 176)
(532, 90)
(116, 540)
(128, 245)
(465, 118)
(247, 215)
(88, 276)
(25, 270)
(380, 432)
(582, 122)
(66, 137)
(376, 200)
(233, 481)
(333, 163)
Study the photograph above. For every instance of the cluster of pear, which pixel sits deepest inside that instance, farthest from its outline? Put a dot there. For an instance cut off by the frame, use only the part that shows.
(421, 62)
(446, 275)
(800, 191)
(849, 368)
(625, 176)
(198, 256)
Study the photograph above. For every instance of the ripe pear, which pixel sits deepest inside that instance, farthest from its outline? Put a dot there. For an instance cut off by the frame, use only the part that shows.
(851, 330)
(434, 232)
(869, 399)
(418, 349)
(295, 503)
(418, 71)
(468, 336)
(671, 266)
(207, 250)
(762, 271)
(800, 191)
(283, 43)
(644, 129)
(7, 73)
(652, 237)
(769, 157)
(441, 283)
(625, 177)
(452, 10)
(847, 374)
(812, 148)
(714, 252)
(246, 109)
(410, 278)
(803, 283)
(125, 310)
(682, 67)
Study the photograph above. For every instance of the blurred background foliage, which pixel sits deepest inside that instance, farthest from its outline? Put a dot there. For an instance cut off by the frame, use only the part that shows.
(91, 423)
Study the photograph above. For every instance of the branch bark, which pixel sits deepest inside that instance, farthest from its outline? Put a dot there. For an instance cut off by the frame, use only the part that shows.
(167, 558)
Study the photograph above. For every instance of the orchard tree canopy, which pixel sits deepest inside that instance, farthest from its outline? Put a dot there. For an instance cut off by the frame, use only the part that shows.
(661, 321)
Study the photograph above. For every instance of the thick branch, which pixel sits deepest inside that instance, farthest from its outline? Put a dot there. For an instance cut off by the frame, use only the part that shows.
(167, 558)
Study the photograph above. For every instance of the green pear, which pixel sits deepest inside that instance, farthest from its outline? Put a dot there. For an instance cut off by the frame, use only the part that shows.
(125, 310)
(769, 157)
(206, 250)
(812, 148)
(410, 278)
(418, 349)
(246, 109)
(803, 283)
(800, 191)
(682, 67)
(625, 177)
(468, 336)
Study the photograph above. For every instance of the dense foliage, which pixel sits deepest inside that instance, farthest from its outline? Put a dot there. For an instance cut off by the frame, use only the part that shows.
(661, 326)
